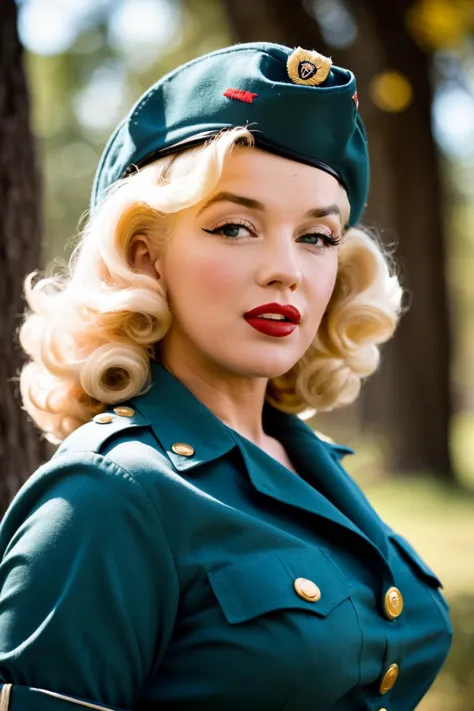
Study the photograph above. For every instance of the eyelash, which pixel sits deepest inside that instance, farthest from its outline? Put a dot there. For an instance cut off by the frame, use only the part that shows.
(329, 239)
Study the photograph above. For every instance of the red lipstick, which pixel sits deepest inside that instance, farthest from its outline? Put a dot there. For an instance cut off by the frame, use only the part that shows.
(273, 327)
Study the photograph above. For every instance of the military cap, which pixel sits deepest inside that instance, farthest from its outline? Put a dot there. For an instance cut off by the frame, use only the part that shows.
(295, 102)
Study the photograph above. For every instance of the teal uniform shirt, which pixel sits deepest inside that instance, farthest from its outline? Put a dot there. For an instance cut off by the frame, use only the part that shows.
(139, 573)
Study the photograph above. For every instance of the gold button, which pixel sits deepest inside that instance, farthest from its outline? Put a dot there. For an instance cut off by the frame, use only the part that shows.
(393, 603)
(104, 418)
(307, 589)
(389, 679)
(182, 448)
(124, 411)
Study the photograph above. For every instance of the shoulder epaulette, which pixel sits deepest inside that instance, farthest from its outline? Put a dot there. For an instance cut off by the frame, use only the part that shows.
(91, 436)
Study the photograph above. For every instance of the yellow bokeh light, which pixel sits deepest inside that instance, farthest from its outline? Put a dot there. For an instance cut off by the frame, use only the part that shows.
(391, 91)
(440, 24)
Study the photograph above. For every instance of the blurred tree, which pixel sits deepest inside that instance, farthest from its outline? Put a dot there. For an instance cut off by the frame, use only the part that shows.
(21, 449)
(409, 398)
(80, 94)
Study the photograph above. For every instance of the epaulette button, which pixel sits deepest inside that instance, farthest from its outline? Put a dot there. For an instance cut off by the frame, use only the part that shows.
(124, 411)
(103, 418)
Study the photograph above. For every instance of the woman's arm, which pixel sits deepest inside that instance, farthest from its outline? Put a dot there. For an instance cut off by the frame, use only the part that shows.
(88, 588)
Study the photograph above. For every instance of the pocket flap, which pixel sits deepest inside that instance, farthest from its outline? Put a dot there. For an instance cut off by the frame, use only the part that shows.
(265, 582)
(415, 559)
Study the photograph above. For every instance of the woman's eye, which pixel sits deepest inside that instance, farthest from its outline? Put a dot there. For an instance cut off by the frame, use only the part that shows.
(230, 230)
(236, 231)
(320, 239)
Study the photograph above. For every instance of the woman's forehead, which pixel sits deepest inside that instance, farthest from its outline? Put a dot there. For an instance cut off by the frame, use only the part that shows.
(246, 162)
(265, 177)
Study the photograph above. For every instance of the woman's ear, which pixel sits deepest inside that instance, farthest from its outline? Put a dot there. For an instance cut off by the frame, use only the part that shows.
(141, 257)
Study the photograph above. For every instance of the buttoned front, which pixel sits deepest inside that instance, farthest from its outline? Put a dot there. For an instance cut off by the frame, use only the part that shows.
(393, 603)
(211, 577)
(389, 678)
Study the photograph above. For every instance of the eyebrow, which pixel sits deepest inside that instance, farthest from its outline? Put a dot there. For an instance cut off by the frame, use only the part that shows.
(252, 204)
(231, 197)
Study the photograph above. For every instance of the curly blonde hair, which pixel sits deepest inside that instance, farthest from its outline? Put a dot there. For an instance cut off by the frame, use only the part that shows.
(92, 330)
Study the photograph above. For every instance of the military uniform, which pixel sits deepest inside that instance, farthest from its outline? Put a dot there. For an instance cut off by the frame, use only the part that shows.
(162, 561)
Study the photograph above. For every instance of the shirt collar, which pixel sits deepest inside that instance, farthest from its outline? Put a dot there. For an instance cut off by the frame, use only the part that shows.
(176, 415)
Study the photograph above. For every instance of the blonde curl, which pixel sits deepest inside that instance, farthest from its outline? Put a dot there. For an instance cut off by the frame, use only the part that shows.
(91, 329)
(363, 313)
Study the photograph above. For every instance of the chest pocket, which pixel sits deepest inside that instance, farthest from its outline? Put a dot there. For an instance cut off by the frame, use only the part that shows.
(293, 646)
(266, 582)
(425, 573)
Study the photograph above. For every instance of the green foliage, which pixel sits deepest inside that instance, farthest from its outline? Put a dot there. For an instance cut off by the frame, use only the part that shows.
(72, 124)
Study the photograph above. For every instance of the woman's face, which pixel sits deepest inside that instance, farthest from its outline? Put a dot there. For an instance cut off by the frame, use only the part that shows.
(267, 235)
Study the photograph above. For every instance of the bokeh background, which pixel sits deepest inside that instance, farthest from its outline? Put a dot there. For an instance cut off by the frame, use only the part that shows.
(70, 69)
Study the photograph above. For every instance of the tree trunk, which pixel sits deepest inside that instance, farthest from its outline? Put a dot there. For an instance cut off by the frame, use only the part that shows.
(409, 398)
(21, 449)
(420, 353)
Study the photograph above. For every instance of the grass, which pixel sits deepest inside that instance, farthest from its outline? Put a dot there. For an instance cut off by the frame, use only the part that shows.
(462, 446)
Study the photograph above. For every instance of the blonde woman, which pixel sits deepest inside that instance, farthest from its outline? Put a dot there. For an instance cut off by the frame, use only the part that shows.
(193, 544)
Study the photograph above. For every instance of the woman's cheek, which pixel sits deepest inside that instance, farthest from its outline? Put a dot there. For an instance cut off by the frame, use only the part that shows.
(320, 297)
(329, 282)
(323, 279)
(328, 289)
(216, 277)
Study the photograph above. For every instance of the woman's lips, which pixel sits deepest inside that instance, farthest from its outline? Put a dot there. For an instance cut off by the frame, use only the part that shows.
(278, 329)
(274, 327)
(289, 312)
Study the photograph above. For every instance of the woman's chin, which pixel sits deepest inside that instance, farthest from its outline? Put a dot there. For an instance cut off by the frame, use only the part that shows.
(265, 365)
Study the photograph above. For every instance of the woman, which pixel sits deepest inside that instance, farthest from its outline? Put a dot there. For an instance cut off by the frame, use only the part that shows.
(193, 544)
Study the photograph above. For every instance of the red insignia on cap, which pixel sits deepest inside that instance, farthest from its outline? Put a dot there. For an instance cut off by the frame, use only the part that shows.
(240, 95)
(355, 99)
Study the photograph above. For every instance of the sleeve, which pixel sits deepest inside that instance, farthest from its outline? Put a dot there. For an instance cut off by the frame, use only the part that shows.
(88, 588)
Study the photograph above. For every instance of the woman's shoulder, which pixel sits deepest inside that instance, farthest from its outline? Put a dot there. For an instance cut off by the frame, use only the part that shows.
(121, 438)
(107, 461)
(119, 422)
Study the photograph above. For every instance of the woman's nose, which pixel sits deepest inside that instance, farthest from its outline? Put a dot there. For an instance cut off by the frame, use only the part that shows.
(279, 267)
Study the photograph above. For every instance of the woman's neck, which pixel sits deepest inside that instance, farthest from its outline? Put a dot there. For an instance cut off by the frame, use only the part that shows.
(235, 399)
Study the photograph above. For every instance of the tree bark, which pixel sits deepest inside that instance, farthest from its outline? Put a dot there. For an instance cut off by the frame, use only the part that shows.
(421, 402)
(21, 449)
(409, 399)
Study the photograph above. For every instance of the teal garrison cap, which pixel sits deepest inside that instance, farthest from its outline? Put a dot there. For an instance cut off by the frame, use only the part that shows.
(295, 102)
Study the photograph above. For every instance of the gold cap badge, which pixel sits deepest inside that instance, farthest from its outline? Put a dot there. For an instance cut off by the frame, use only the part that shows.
(308, 67)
